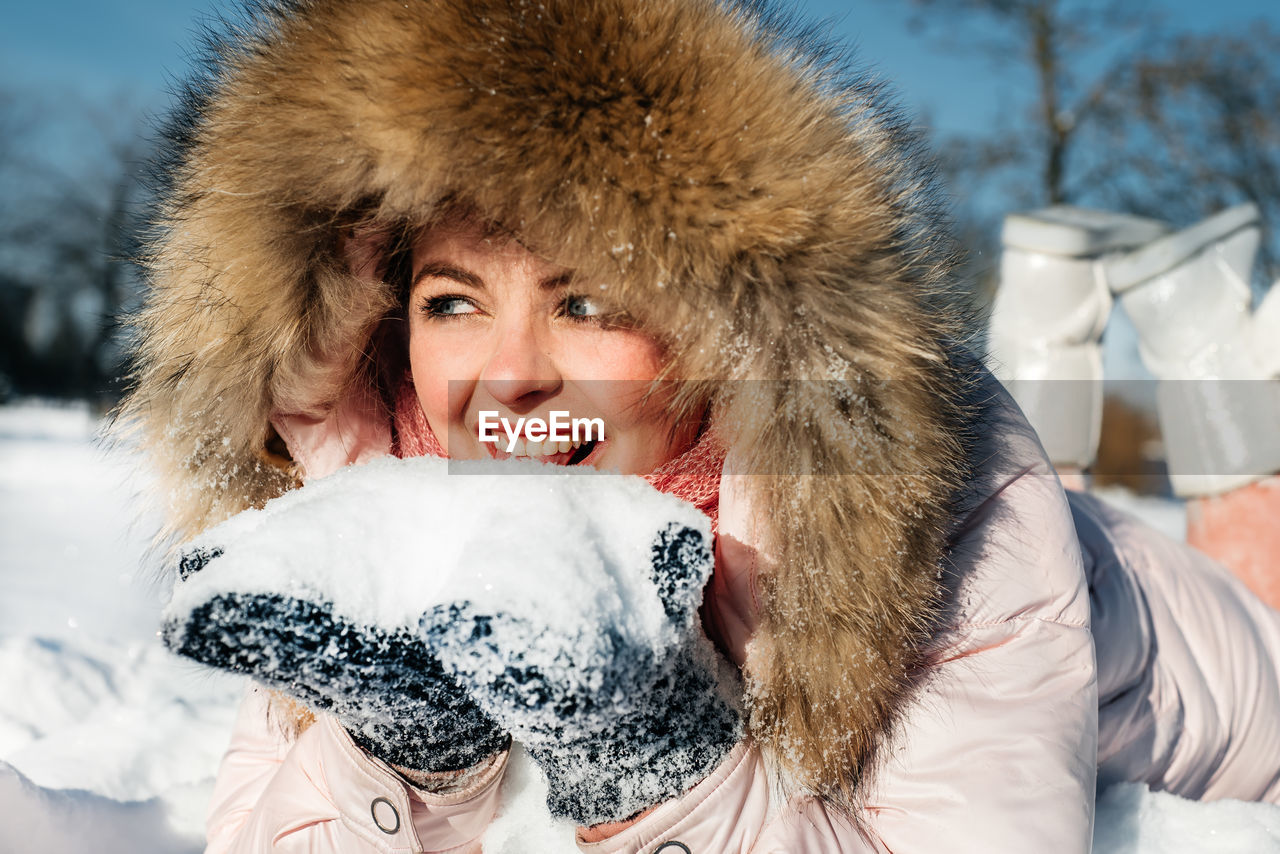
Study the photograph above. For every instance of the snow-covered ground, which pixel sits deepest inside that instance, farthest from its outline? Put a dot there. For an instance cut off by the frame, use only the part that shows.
(109, 744)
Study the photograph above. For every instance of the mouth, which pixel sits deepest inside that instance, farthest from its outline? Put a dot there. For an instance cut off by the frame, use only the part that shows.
(552, 453)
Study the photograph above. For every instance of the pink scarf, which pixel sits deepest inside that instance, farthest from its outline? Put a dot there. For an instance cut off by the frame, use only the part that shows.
(693, 476)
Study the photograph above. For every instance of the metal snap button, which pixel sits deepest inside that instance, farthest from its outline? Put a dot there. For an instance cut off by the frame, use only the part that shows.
(672, 846)
(387, 817)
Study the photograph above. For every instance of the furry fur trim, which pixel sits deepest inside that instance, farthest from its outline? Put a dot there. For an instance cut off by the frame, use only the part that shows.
(756, 203)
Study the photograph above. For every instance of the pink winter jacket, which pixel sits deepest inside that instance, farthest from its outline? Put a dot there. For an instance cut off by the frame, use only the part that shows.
(999, 751)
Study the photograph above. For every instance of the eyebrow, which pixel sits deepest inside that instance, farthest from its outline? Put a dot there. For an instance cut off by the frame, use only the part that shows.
(448, 271)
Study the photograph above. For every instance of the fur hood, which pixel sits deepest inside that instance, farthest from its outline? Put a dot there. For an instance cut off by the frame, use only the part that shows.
(759, 205)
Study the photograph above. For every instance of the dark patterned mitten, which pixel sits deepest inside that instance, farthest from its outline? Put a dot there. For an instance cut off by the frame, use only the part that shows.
(302, 597)
(578, 632)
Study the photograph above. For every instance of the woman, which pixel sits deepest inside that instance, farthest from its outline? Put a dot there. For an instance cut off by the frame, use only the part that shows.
(898, 572)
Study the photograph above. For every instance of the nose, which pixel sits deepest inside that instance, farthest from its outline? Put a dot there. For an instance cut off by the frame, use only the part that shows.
(520, 371)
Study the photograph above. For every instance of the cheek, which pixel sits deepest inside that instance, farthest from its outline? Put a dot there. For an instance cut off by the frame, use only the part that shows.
(628, 362)
(433, 364)
(654, 436)
(628, 357)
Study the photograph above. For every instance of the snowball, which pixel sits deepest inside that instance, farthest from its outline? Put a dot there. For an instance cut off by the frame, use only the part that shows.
(387, 541)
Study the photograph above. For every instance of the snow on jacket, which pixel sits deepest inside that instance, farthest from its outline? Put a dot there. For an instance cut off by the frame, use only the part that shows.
(766, 215)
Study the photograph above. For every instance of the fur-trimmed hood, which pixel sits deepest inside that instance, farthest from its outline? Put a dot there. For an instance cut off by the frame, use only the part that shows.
(745, 194)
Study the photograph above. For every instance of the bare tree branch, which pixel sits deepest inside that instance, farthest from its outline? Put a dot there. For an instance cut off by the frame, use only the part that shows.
(1118, 114)
(69, 180)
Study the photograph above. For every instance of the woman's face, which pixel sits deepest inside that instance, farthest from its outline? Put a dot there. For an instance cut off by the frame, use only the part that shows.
(497, 334)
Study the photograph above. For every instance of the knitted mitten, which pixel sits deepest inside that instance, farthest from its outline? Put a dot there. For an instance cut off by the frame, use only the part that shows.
(595, 659)
(386, 688)
(302, 595)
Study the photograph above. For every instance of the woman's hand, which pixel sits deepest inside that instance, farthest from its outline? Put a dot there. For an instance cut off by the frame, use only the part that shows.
(598, 664)
(259, 595)
(385, 688)
(433, 607)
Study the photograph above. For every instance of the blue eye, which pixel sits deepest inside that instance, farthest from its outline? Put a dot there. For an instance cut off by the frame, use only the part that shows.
(580, 306)
(448, 306)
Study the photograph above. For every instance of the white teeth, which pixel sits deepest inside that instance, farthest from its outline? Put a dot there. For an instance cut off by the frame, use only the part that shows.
(529, 448)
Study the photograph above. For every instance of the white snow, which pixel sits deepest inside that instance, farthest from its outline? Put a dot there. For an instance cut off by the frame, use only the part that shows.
(523, 823)
(38, 819)
(384, 542)
(1134, 820)
(109, 744)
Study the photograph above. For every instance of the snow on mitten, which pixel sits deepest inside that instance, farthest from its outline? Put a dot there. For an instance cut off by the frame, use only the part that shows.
(577, 629)
(303, 597)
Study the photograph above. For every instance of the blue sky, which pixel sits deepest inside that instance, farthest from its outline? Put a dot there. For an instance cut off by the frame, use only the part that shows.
(108, 48)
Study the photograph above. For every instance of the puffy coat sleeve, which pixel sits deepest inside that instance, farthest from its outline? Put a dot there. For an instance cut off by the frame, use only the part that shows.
(322, 794)
(997, 751)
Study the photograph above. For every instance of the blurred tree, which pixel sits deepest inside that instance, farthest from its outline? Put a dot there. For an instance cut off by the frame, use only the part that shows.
(14, 126)
(1069, 51)
(72, 197)
(1191, 127)
(1119, 114)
